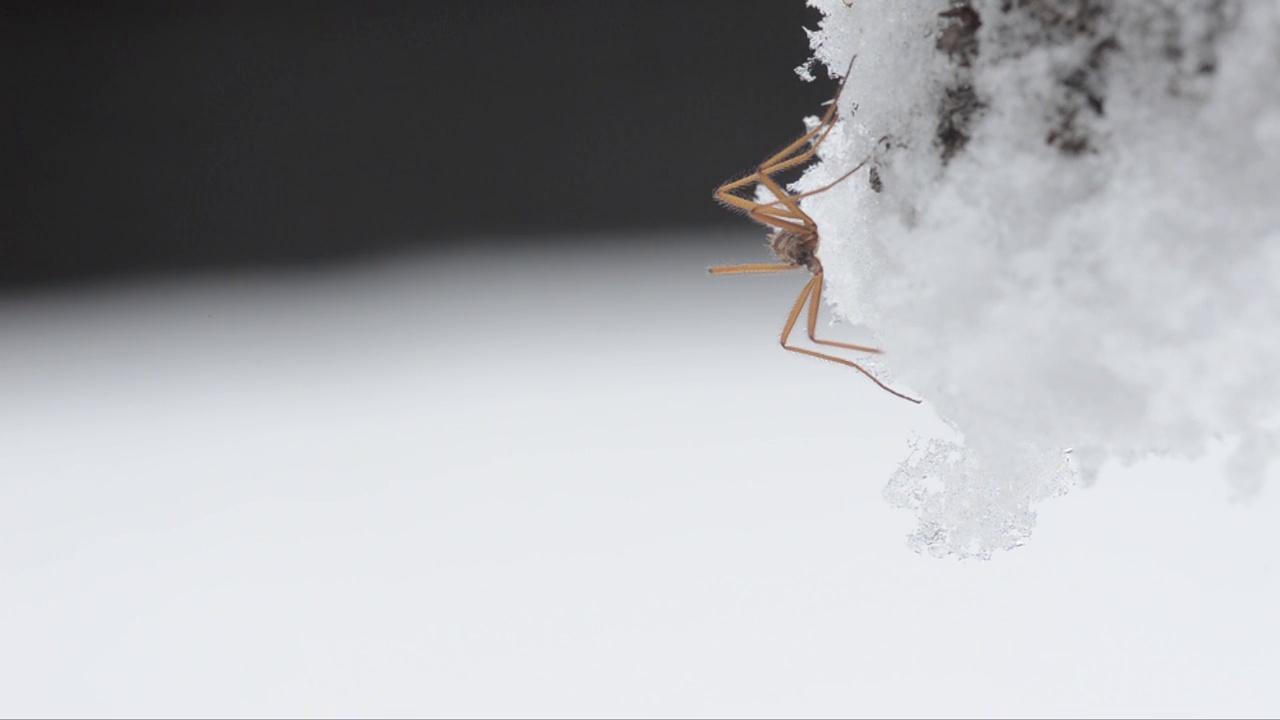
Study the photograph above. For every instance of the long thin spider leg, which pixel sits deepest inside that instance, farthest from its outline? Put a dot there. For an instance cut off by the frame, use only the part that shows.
(790, 203)
(839, 89)
(779, 209)
(814, 299)
(762, 215)
(781, 161)
(776, 212)
(780, 218)
(855, 366)
(781, 215)
(831, 184)
(726, 193)
(752, 268)
(786, 199)
(840, 179)
(795, 311)
(773, 165)
(741, 203)
(805, 294)
(776, 162)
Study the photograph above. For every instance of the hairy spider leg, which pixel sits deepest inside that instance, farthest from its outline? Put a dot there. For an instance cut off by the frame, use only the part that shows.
(784, 213)
(789, 217)
(776, 164)
(790, 202)
(814, 298)
(782, 160)
(779, 162)
(810, 292)
(753, 268)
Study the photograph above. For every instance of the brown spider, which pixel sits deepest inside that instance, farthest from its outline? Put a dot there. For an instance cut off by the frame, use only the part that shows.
(794, 239)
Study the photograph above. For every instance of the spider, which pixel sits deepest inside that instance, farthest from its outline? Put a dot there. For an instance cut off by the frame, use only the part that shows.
(794, 236)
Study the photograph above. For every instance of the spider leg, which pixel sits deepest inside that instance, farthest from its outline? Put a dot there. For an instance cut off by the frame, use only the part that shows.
(741, 203)
(831, 184)
(805, 294)
(787, 200)
(752, 268)
(782, 160)
(779, 161)
(725, 193)
(781, 217)
(761, 214)
(840, 179)
(814, 297)
(784, 212)
(790, 202)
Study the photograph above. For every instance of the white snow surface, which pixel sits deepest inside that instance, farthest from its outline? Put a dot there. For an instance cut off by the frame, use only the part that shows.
(1074, 252)
(569, 480)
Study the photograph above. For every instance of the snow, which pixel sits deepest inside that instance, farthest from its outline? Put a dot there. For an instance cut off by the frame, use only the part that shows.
(1074, 253)
(556, 482)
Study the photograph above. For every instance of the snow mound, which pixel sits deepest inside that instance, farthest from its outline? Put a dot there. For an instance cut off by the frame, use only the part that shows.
(1068, 240)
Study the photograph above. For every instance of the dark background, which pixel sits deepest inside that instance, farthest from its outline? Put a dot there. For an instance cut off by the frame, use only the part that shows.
(149, 137)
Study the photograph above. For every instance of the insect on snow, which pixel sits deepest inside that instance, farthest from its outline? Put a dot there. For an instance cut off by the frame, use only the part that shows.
(794, 239)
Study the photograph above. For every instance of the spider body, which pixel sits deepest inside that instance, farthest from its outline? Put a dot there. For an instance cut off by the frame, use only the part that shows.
(794, 236)
(796, 248)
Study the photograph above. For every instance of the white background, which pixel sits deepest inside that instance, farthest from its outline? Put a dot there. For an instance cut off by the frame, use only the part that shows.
(556, 484)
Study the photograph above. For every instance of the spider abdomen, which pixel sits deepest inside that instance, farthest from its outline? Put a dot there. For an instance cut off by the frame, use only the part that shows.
(796, 248)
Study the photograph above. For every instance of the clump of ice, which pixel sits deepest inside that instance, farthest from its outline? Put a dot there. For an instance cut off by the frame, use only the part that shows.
(1070, 240)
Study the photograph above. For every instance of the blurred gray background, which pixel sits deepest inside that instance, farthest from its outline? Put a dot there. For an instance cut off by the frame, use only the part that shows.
(146, 137)
(359, 359)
